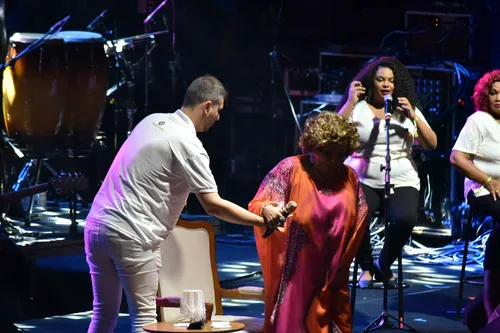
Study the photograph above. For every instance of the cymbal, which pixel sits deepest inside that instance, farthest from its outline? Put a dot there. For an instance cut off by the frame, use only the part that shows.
(139, 38)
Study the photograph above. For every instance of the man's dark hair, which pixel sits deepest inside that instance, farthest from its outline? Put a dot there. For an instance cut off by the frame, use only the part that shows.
(205, 88)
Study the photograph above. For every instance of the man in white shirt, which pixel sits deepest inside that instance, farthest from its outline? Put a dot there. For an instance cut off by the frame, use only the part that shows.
(142, 197)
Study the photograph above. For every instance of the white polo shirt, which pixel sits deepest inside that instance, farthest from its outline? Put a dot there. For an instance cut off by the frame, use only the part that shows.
(149, 181)
(370, 155)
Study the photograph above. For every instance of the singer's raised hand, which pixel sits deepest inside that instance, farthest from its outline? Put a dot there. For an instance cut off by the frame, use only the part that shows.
(356, 89)
(405, 106)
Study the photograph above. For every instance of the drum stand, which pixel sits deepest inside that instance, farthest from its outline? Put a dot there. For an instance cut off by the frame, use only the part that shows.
(5, 225)
(4, 222)
(73, 197)
(23, 175)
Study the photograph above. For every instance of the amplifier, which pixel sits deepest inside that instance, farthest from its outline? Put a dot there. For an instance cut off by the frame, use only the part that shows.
(338, 69)
(439, 35)
(435, 86)
(301, 82)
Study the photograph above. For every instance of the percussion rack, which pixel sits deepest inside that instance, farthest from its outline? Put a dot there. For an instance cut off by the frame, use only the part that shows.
(125, 77)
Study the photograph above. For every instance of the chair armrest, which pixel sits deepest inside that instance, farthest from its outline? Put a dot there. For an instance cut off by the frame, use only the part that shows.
(244, 292)
(175, 302)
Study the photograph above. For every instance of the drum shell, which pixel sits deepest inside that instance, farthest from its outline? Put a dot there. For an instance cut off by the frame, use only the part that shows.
(87, 68)
(35, 91)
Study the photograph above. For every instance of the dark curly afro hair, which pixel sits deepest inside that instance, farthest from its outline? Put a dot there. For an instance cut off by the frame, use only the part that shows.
(404, 85)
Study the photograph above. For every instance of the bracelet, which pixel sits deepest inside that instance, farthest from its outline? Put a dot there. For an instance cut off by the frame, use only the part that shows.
(415, 121)
(487, 181)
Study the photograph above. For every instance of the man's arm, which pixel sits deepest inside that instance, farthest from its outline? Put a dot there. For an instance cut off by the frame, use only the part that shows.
(225, 210)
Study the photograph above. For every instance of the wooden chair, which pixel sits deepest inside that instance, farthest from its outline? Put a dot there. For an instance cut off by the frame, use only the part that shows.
(189, 262)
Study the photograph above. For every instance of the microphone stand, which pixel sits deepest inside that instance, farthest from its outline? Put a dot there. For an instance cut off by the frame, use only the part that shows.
(383, 320)
(52, 31)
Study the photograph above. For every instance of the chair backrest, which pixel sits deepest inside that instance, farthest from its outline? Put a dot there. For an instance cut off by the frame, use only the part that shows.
(188, 262)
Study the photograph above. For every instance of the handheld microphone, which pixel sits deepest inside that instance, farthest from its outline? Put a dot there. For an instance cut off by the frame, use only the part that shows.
(95, 21)
(289, 208)
(388, 106)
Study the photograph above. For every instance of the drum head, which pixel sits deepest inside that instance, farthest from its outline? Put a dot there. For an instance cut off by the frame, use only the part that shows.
(80, 36)
(31, 37)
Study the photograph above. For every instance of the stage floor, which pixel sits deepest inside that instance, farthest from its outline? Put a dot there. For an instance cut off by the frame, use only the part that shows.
(64, 297)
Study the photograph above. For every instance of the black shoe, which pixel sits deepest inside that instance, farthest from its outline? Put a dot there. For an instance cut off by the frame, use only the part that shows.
(378, 276)
(365, 284)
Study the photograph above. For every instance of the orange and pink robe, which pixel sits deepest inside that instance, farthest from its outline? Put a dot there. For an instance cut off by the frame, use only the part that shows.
(306, 263)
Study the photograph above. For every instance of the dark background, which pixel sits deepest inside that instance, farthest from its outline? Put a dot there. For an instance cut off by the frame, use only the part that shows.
(232, 39)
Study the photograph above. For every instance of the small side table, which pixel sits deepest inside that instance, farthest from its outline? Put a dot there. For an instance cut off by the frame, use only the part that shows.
(168, 327)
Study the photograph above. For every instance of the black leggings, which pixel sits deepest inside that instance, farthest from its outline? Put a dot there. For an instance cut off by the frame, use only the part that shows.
(485, 205)
(475, 315)
(402, 210)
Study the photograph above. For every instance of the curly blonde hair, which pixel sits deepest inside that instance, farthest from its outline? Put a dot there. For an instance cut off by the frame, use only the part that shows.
(329, 128)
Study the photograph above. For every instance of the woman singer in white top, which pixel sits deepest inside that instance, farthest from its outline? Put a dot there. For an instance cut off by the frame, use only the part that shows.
(363, 103)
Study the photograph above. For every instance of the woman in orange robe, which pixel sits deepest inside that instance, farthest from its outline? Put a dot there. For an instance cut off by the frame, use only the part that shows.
(306, 262)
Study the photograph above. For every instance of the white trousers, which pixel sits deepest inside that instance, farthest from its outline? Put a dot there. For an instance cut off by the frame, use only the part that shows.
(117, 263)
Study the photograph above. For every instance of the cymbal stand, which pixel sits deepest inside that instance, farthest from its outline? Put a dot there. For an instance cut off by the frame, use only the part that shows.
(275, 67)
(117, 106)
(123, 72)
(147, 63)
(174, 65)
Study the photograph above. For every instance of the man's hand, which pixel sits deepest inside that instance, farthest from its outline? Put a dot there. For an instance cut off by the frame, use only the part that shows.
(272, 213)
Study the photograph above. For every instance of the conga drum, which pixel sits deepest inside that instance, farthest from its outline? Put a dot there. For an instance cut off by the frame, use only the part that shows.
(87, 66)
(34, 93)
